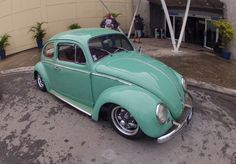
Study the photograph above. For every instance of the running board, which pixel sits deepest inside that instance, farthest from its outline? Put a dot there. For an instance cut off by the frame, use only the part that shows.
(73, 103)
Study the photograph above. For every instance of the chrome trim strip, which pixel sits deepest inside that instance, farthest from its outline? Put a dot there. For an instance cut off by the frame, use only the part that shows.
(96, 74)
(112, 78)
(73, 105)
(72, 69)
(49, 62)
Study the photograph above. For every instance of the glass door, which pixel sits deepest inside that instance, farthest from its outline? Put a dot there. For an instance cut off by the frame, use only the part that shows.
(178, 25)
(167, 28)
(210, 34)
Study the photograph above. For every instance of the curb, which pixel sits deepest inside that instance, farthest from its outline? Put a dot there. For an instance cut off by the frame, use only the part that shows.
(191, 82)
(211, 87)
(16, 70)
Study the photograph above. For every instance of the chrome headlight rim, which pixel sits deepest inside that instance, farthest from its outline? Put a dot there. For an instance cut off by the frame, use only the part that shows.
(161, 113)
(184, 84)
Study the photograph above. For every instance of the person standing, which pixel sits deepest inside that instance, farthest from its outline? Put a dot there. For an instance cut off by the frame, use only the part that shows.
(138, 26)
(109, 22)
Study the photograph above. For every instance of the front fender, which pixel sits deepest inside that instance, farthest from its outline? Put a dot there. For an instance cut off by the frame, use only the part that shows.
(139, 102)
(43, 73)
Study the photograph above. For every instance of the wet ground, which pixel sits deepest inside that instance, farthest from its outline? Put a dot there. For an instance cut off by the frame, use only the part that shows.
(206, 68)
(36, 127)
(193, 61)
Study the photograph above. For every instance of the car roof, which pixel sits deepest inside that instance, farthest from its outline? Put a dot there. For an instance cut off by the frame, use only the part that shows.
(83, 34)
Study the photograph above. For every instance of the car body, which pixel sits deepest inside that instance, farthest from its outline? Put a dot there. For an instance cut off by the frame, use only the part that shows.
(98, 71)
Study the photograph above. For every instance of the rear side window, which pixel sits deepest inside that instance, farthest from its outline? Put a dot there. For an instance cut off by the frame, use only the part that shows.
(71, 53)
(49, 50)
(79, 57)
(66, 53)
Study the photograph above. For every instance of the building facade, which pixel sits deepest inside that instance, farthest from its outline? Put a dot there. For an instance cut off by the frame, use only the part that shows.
(199, 29)
(17, 16)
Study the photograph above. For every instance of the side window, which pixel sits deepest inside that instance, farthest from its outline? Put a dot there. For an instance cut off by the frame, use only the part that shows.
(66, 52)
(71, 53)
(49, 50)
(80, 58)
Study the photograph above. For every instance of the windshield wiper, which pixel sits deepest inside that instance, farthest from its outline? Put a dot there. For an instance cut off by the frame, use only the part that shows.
(104, 50)
(120, 48)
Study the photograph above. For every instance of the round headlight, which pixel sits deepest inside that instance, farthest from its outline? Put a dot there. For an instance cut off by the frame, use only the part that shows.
(161, 113)
(184, 84)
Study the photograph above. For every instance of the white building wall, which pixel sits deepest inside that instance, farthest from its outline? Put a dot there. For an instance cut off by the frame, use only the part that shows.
(17, 16)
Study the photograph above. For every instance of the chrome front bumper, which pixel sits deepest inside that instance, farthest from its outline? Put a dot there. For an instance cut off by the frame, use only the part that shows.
(182, 122)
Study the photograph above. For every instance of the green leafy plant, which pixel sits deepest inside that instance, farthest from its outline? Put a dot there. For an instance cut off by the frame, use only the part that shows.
(4, 41)
(115, 15)
(38, 31)
(226, 32)
(74, 26)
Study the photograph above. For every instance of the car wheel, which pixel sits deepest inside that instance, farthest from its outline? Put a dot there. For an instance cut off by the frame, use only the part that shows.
(40, 83)
(124, 123)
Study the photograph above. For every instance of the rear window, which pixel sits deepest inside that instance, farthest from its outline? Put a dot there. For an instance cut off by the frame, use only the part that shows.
(49, 50)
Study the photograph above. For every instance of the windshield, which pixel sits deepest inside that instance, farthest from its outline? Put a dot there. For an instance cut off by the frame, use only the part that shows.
(109, 44)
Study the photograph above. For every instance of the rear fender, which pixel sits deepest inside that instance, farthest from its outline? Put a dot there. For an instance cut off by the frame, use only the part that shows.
(39, 68)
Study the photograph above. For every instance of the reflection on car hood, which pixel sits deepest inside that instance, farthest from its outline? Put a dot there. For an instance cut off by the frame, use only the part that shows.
(147, 73)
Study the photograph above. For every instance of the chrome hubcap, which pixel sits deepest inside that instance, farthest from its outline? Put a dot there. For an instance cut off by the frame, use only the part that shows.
(124, 121)
(40, 82)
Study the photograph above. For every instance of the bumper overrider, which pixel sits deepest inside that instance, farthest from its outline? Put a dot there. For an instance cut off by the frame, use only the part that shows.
(182, 122)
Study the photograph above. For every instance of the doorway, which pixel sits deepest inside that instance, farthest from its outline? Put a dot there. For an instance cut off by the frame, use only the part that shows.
(195, 30)
(212, 34)
(176, 22)
(198, 31)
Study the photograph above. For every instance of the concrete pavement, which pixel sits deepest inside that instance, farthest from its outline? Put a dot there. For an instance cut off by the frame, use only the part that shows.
(36, 127)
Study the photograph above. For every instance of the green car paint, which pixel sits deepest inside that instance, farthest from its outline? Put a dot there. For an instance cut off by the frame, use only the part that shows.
(149, 74)
(140, 103)
(132, 80)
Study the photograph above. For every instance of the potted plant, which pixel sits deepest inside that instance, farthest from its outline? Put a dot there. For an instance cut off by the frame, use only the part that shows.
(4, 42)
(38, 33)
(226, 33)
(74, 26)
(115, 15)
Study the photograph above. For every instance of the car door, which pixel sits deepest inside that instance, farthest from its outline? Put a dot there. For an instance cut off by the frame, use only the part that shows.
(72, 77)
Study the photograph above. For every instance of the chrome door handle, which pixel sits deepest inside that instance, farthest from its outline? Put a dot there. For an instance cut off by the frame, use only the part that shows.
(57, 68)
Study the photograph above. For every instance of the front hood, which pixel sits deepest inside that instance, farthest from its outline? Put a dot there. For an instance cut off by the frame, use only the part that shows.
(147, 73)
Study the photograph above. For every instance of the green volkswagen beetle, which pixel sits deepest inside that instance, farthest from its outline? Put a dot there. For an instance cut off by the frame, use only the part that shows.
(99, 72)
